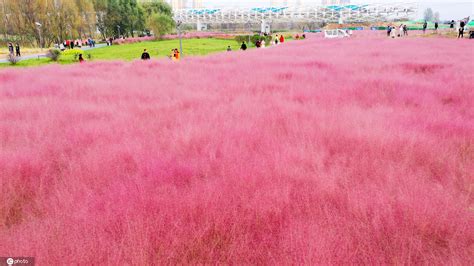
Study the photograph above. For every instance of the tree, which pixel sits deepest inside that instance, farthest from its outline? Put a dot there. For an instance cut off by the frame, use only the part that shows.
(121, 17)
(161, 24)
(112, 18)
(59, 19)
(156, 12)
(428, 15)
(100, 7)
(436, 16)
(155, 7)
(86, 17)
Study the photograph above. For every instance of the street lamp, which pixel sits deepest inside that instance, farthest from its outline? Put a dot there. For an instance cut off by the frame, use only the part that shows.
(38, 25)
(249, 24)
(178, 28)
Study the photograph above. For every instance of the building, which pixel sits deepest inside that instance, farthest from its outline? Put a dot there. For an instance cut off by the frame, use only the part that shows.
(177, 4)
(335, 2)
(286, 2)
(197, 4)
(181, 4)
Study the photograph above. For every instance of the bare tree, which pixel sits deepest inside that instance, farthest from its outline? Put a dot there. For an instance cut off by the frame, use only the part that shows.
(428, 15)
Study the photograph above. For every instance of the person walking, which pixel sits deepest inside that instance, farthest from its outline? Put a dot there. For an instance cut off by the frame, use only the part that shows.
(461, 33)
(277, 39)
(282, 39)
(400, 31)
(452, 24)
(405, 30)
(425, 25)
(17, 49)
(389, 31)
(243, 47)
(81, 59)
(262, 44)
(229, 49)
(10, 48)
(436, 26)
(145, 55)
(462, 24)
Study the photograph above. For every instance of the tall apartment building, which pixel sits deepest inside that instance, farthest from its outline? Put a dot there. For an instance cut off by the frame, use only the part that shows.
(177, 4)
(197, 4)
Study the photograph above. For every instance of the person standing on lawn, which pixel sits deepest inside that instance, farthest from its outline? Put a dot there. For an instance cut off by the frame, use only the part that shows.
(177, 54)
(461, 29)
(17, 48)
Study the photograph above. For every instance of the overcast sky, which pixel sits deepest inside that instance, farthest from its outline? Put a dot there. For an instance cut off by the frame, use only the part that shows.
(448, 9)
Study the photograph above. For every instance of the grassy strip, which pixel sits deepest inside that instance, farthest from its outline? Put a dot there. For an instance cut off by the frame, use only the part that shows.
(157, 49)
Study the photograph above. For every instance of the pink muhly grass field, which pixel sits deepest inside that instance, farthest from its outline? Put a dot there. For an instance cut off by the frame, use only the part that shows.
(356, 151)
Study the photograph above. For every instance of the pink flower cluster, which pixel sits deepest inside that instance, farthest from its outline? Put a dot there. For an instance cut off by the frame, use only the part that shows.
(133, 40)
(202, 35)
(317, 152)
(187, 35)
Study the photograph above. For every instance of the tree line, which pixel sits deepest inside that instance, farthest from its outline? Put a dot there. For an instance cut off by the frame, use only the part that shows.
(45, 22)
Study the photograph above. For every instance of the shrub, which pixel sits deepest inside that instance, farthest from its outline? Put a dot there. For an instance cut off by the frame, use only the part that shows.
(161, 24)
(54, 54)
(198, 35)
(69, 52)
(13, 59)
(72, 54)
(253, 39)
(133, 40)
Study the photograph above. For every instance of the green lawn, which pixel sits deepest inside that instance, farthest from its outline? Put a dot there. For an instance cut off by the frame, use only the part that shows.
(163, 48)
(157, 49)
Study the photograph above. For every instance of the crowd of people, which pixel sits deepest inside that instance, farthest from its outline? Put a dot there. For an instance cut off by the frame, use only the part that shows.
(403, 29)
(70, 44)
(261, 43)
(392, 31)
